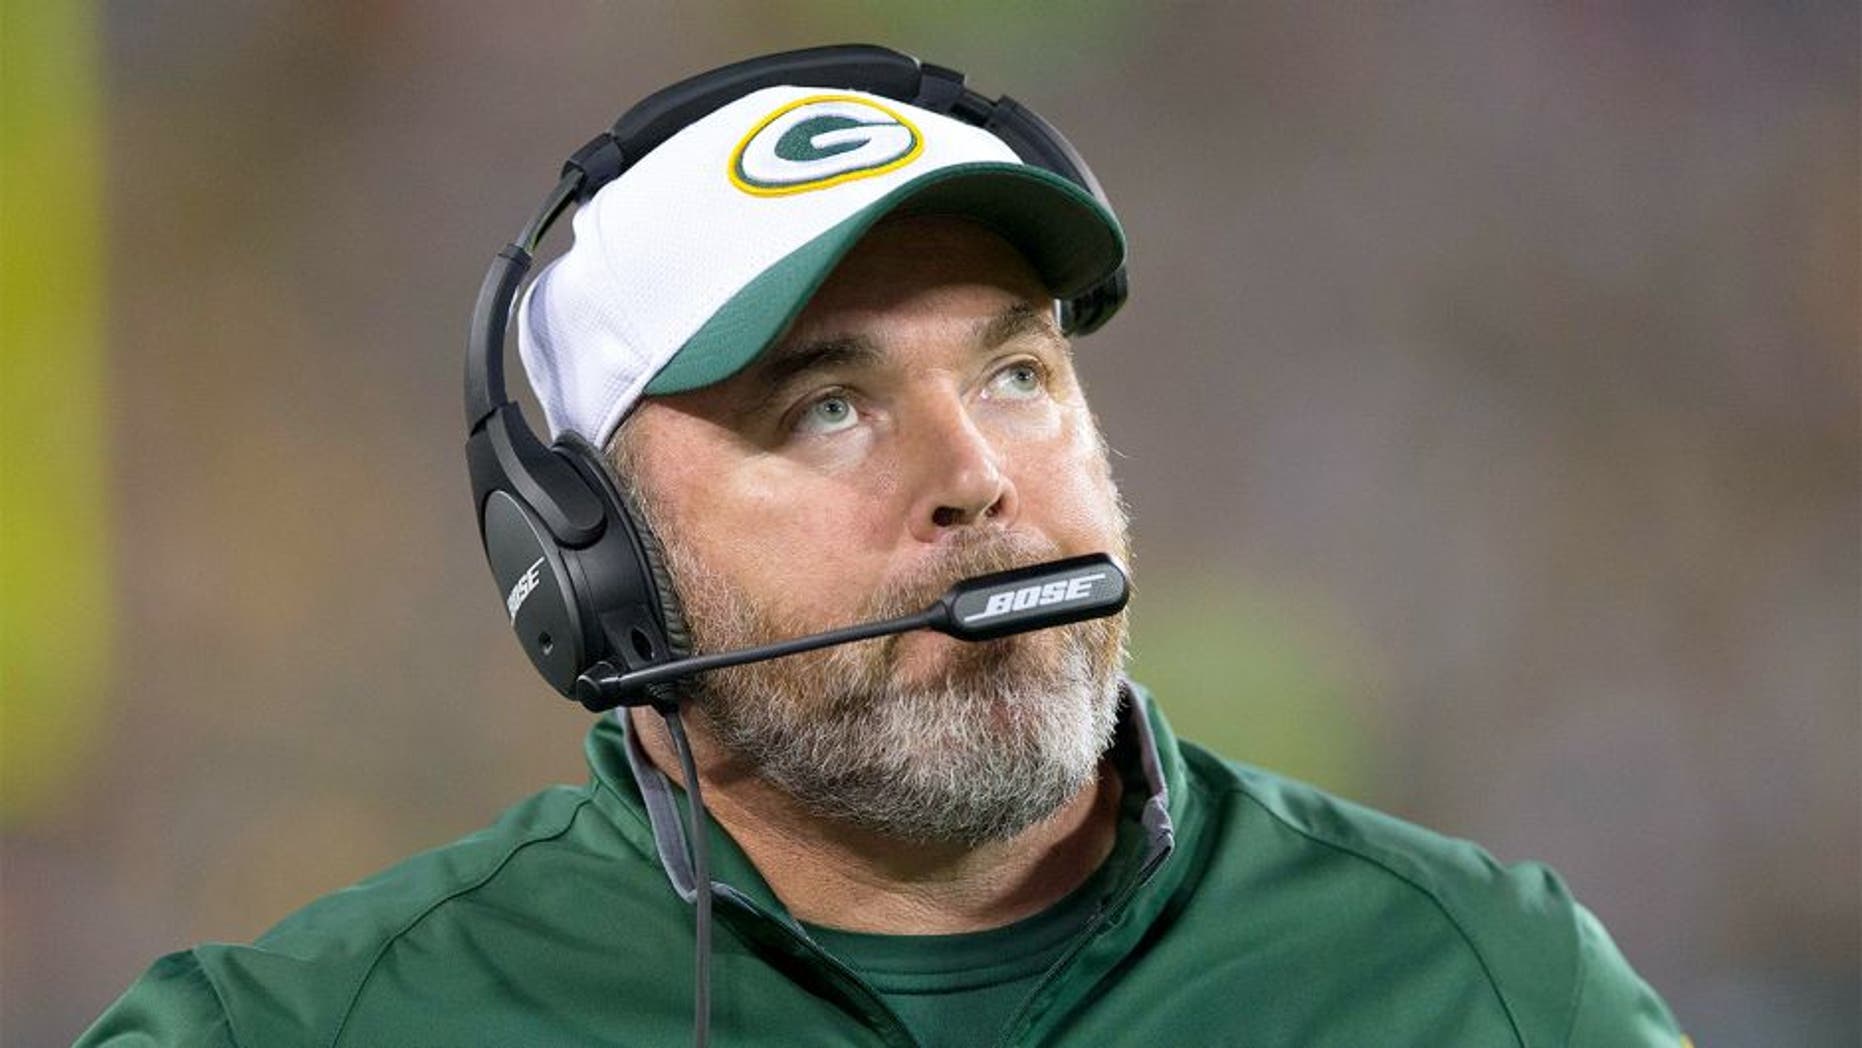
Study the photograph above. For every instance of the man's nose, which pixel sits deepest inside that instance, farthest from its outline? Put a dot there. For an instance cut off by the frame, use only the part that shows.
(960, 480)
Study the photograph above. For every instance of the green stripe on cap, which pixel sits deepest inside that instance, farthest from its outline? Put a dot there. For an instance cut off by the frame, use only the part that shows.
(1072, 241)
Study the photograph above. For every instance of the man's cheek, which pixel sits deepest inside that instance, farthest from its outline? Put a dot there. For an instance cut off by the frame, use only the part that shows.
(1075, 492)
(823, 581)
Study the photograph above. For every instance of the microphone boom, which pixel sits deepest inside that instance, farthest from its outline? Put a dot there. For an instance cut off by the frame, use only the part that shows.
(981, 608)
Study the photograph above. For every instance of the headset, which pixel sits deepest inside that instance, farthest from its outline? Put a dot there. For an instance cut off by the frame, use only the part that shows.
(583, 579)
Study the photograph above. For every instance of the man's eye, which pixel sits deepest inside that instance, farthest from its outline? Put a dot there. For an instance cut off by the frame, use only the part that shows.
(1025, 379)
(830, 414)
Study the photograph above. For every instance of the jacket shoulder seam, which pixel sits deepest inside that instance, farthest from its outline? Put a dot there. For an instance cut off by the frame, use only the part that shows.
(426, 911)
(219, 999)
(1577, 1001)
(1435, 899)
(1579, 984)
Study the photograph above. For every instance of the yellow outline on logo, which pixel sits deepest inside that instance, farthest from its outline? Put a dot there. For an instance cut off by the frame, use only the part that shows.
(918, 147)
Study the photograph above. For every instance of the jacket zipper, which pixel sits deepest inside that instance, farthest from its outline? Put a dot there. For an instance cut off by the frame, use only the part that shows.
(847, 976)
(1093, 928)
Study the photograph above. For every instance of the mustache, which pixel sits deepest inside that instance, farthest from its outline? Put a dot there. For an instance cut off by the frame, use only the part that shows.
(968, 555)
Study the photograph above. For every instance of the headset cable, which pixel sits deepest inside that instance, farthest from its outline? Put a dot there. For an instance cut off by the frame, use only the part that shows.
(699, 848)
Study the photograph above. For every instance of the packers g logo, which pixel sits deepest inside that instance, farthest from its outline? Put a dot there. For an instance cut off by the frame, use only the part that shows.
(822, 141)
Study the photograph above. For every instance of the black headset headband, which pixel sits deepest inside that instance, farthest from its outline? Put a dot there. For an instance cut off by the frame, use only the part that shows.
(865, 67)
(540, 506)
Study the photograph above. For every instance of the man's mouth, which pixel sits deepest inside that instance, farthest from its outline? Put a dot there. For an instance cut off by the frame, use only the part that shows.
(981, 555)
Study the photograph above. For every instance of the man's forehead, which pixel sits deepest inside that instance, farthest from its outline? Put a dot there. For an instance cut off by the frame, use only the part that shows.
(923, 267)
(871, 346)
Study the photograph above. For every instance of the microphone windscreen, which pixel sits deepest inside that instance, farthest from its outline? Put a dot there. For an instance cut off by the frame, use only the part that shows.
(1035, 597)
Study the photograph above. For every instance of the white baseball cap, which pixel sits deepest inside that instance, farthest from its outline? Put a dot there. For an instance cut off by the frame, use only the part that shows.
(698, 257)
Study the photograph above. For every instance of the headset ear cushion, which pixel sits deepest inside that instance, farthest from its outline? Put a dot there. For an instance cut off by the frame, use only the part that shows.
(671, 611)
(652, 555)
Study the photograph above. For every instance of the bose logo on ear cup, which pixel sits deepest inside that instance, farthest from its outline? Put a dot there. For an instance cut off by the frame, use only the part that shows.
(1036, 596)
(525, 584)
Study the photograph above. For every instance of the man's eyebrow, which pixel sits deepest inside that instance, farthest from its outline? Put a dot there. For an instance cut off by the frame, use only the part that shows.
(786, 363)
(1016, 321)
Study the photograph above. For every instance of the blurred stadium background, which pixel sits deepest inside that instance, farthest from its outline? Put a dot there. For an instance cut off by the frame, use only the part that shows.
(1488, 407)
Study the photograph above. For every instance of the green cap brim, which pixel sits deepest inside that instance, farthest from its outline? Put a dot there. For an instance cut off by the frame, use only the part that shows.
(1072, 241)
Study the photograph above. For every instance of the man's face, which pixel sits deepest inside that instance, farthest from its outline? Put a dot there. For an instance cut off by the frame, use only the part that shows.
(919, 423)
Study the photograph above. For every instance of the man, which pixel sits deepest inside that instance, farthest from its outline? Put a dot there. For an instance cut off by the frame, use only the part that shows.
(817, 337)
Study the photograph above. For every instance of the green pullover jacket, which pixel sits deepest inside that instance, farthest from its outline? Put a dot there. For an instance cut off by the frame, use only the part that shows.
(1242, 909)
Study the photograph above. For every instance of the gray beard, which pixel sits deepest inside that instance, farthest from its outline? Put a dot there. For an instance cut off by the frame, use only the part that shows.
(1002, 735)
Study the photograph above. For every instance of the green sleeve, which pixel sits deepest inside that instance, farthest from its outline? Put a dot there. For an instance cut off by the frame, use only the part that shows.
(1614, 1007)
(172, 1004)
